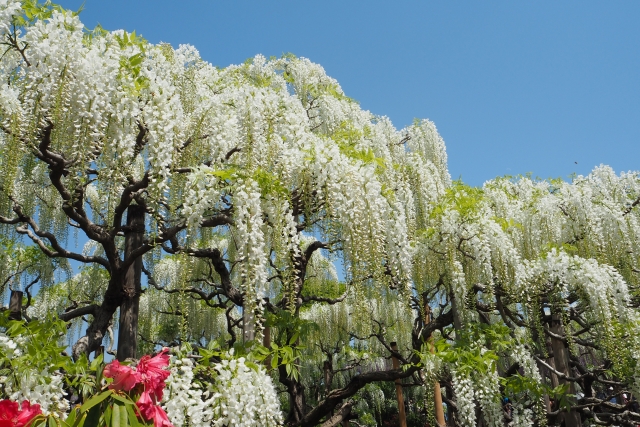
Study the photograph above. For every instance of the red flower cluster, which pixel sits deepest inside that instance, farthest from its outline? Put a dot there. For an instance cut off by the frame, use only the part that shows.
(151, 374)
(12, 416)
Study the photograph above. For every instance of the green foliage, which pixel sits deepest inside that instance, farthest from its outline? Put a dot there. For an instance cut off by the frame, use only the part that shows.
(36, 11)
(269, 182)
(461, 197)
(348, 137)
(315, 91)
(131, 67)
(561, 395)
(507, 224)
(226, 174)
(324, 289)
(291, 330)
(96, 32)
(108, 408)
(42, 349)
(518, 385)
(21, 263)
(470, 349)
(564, 247)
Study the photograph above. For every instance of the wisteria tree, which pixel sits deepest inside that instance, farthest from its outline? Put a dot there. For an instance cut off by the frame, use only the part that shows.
(214, 203)
(240, 175)
(553, 266)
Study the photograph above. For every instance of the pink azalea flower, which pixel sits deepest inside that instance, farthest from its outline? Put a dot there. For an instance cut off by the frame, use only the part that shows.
(150, 411)
(153, 374)
(124, 377)
(11, 415)
(27, 413)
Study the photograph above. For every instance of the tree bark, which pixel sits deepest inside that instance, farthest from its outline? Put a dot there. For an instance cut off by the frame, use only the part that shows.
(342, 416)
(102, 317)
(437, 393)
(15, 305)
(401, 412)
(561, 360)
(131, 287)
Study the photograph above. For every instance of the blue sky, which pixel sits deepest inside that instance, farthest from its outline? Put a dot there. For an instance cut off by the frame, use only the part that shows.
(513, 87)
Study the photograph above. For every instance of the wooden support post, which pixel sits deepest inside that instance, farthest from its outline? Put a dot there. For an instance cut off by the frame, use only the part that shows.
(15, 305)
(437, 393)
(396, 365)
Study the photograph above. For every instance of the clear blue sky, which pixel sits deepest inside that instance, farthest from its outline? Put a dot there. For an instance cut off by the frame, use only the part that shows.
(513, 86)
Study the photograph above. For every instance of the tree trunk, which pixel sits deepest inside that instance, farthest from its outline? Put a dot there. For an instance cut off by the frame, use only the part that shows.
(296, 403)
(401, 412)
(561, 360)
(129, 309)
(457, 321)
(101, 320)
(437, 393)
(15, 305)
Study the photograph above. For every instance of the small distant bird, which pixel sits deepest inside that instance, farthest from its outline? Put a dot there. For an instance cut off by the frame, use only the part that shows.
(575, 163)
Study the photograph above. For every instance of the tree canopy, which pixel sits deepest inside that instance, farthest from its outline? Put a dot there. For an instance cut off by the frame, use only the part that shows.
(216, 204)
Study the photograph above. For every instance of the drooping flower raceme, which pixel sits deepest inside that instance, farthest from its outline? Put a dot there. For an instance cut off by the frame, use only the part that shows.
(8, 9)
(41, 386)
(185, 401)
(243, 396)
(240, 396)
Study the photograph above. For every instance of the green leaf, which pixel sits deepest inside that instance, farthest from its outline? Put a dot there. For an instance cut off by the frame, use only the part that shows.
(119, 416)
(294, 338)
(115, 416)
(93, 417)
(98, 398)
(38, 421)
(133, 417)
(123, 399)
(224, 174)
(251, 365)
(96, 362)
(71, 418)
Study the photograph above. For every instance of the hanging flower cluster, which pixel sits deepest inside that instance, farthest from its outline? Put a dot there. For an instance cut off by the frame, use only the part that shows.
(184, 401)
(8, 9)
(522, 243)
(38, 383)
(241, 396)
